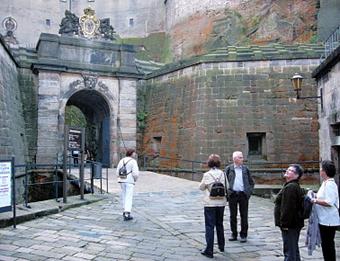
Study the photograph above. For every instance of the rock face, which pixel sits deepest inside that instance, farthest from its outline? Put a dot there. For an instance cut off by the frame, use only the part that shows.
(242, 23)
(192, 27)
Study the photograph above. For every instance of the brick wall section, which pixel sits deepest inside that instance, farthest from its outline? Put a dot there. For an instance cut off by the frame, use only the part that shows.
(12, 124)
(210, 107)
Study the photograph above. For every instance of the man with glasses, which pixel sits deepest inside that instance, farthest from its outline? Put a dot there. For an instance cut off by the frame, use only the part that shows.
(288, 212)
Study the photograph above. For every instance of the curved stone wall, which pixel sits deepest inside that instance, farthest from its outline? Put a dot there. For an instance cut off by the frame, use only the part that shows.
(214, 104)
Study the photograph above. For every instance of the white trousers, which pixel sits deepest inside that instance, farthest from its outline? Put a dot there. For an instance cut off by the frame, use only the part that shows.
(126, 196)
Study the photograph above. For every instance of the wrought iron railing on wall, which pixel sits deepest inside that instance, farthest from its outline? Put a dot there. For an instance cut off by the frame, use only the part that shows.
(332, 42)
(28, 170)
(193, 169)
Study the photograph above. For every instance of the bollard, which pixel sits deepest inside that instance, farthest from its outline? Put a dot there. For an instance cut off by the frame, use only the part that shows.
(92, 169)
(107, 180)
(26, 187)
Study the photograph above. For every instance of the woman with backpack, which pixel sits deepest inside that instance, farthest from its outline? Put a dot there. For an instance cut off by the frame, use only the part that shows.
(127, 172)
(327, 209)
(213, 184)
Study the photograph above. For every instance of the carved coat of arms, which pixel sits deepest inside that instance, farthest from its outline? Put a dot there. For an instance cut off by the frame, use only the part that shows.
(89, 24)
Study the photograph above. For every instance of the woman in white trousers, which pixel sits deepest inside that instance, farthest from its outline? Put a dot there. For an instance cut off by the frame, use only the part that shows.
(127, 182)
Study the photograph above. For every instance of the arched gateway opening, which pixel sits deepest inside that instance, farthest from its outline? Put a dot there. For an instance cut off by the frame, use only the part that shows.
(96, 112)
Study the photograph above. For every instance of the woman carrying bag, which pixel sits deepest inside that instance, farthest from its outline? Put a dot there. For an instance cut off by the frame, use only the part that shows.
(214, 184)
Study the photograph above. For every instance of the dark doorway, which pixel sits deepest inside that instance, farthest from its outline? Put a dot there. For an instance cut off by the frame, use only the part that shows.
(96, 113)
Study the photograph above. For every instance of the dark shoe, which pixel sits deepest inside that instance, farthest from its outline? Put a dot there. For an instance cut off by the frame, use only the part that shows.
(207, 254)
(232, 239)
(127, 217)
(221, 249)
(243, 240)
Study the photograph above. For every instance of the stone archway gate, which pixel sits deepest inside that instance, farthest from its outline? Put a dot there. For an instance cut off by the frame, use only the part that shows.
(69, 65)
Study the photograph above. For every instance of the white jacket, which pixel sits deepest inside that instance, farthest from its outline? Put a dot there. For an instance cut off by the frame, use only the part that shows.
(132, 169)
(206, 184)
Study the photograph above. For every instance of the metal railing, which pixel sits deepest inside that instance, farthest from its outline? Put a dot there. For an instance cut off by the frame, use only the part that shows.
(332, 42)
(185, 167)
(28, 170)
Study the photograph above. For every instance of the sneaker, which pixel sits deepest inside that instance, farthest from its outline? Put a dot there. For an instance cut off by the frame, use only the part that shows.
(232, 239)
(243, 240)
(207, 254)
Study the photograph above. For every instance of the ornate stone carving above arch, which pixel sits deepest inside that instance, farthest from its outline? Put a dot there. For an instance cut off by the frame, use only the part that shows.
(90, 81)
(74, 84)
(103, 87)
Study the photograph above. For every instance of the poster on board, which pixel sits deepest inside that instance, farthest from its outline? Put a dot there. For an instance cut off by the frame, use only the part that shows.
(5, 185)
(74, 139)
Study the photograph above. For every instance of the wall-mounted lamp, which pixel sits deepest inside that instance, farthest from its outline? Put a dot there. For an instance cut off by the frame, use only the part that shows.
(297, 84)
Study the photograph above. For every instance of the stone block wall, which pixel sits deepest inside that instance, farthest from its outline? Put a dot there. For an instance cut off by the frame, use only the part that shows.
(327, 76)
(28, 91)
(127, 114)
(129, 18)
(212, 107)
(12, 123)
(178, 10)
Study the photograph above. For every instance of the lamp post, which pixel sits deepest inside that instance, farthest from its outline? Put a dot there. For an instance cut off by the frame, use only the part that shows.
(297, 85)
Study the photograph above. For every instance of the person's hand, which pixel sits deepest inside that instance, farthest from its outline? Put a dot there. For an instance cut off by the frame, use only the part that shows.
(311, 194)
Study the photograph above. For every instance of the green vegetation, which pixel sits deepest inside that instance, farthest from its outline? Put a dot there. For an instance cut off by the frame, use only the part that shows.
(74, 117)
(141, 118)
(155, 47)
(141, 108)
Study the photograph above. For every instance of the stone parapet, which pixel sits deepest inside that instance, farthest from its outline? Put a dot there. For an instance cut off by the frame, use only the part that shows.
(276, 52)
(71, 54)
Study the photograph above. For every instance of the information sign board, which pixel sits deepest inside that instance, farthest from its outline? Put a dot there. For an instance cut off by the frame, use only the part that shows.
(74, 139)
(5, 185)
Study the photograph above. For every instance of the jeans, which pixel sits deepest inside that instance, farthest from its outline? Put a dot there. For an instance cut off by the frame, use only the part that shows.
(290, 239)
(327, 234)
(213, 217)
(126, 196)
(238, 199)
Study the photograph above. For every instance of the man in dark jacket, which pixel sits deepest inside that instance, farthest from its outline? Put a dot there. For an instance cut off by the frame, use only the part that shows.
(288, 212)
(241, 186)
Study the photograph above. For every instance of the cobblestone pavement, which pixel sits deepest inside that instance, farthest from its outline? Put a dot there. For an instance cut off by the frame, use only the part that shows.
(168, 224)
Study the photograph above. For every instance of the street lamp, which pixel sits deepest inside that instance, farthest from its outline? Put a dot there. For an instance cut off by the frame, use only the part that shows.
(297, 85)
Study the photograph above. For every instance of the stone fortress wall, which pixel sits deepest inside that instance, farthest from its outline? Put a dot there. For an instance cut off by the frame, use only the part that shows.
(12, 123)
(194, 27)
(214, 103)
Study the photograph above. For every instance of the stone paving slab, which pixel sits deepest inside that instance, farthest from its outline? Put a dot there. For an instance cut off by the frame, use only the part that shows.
(168, 225)
(44, 208)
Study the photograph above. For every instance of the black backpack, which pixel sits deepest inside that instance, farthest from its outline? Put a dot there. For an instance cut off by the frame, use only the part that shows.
(217, 190)
(123, 171)
(307, 207)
